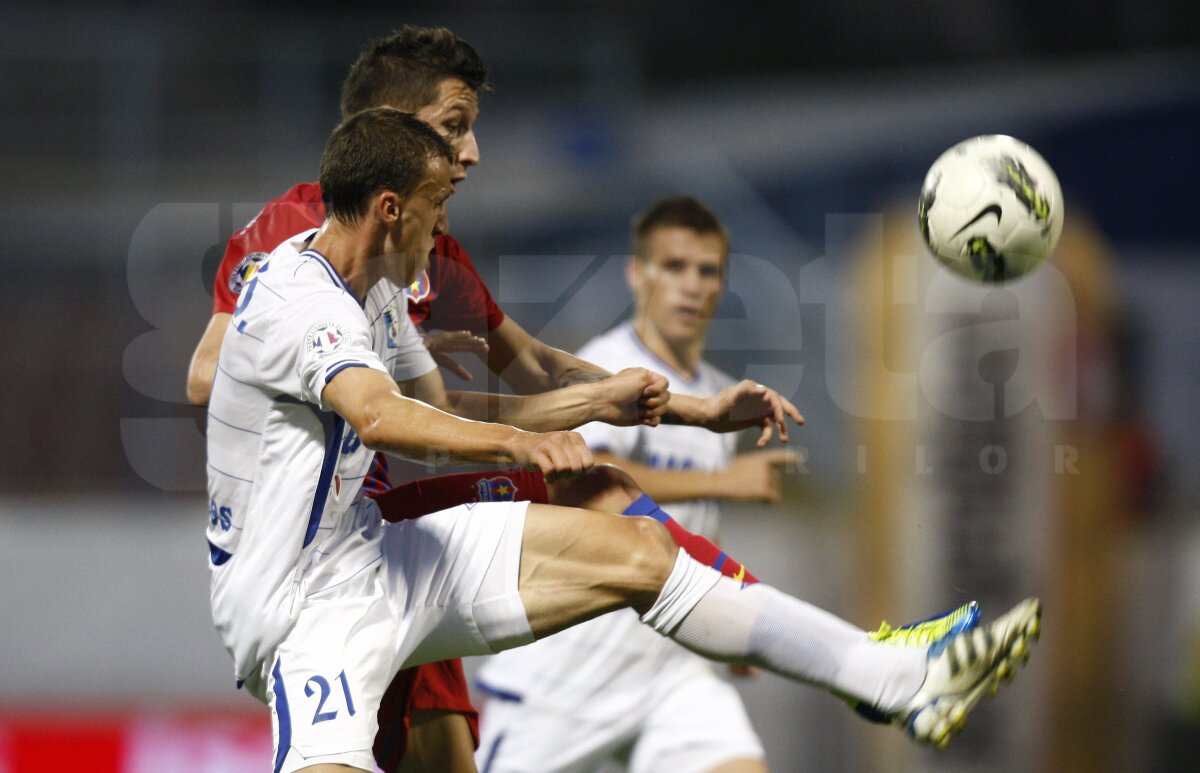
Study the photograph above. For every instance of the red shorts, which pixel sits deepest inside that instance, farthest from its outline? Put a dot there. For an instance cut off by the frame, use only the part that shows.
(440, 686)
(429, 495)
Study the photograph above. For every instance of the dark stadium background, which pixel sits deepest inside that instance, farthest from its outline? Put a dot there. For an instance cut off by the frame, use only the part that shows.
(136, 136)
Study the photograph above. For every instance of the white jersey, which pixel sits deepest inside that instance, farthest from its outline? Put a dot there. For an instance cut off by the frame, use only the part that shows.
(602, 669)
(286, 514)
(670, 446)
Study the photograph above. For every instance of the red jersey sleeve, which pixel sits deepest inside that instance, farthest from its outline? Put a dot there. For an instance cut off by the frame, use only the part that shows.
(452, 295)
(297, 210)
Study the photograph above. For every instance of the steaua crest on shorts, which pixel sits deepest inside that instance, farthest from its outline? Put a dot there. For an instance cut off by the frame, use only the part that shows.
(498, 489)
(244, 271)
(418, 290)
(325, 338)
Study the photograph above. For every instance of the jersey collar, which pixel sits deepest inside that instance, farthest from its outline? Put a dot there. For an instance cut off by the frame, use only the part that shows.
(333, 274)
(637, 340)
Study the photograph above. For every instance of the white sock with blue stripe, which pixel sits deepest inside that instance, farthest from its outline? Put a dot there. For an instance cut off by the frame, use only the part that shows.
(757, 624)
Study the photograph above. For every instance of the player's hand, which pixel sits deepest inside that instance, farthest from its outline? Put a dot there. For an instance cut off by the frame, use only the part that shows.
(747, 404)
(441, 343)
(742, 671)
(633, 396)
(654, 400)
(555, 454)
(755, 476)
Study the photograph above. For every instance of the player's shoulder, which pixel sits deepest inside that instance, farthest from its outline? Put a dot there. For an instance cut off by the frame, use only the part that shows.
(616, 334)
(303, 277)
(382, 296)
(289, 249)
(302, 203)
(614, 349)
(302, 193)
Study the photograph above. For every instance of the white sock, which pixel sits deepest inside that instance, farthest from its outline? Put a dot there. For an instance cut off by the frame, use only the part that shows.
(757, 624)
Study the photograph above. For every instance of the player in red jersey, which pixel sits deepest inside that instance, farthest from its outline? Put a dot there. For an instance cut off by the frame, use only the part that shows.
(438, 75)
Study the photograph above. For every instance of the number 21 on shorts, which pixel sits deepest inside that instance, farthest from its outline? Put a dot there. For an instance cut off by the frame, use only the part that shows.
(318, 686)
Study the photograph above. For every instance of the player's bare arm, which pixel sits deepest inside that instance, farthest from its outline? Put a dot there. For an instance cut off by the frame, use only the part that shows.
(750, 477)
(756, 476)
(203, 367)
(618, 399)
(386, 420)
(741, 406)
(530, 366)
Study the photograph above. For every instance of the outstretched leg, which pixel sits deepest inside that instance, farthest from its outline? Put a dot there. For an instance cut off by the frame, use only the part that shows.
(604, 488)
(577, 564)
(610, 489)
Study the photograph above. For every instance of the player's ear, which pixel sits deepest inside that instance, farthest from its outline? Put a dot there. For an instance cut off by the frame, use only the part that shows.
(389, 206)
(633, 274)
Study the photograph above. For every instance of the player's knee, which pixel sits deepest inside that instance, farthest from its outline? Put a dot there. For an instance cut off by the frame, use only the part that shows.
(651, 553)
(604, 488)
(616, 485)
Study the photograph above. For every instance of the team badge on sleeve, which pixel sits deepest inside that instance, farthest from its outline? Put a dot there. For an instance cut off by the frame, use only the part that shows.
(244, 271)
(325, 338)
(498, 489)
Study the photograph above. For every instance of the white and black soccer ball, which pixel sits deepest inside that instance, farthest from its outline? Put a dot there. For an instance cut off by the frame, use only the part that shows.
(991, 209)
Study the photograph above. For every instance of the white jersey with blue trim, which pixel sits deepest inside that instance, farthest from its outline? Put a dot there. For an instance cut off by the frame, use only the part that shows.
(606, 667)
(670, 446)
(286, 515)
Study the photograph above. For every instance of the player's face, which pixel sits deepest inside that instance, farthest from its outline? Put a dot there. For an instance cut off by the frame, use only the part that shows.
(676, 285)
(420, 221)
(452, 114)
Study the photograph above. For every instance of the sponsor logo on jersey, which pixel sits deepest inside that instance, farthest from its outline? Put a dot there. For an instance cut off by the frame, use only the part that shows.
(244, 271)
(325, 338)
(418, 290)
(391, 318)
(219, 514)
(498, 489)
(670, 462)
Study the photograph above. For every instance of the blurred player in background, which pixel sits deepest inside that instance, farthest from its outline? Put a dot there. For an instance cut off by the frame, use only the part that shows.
(610, 688)
(319, 603)
(439, 76)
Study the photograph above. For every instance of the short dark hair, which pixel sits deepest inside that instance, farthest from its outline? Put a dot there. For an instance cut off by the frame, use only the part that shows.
(678, 212)
(404, 69)
(376, 150)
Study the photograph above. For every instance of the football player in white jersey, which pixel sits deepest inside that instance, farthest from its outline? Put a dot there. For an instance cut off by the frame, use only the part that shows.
(608, 689)
(320, 603)
(427, 717)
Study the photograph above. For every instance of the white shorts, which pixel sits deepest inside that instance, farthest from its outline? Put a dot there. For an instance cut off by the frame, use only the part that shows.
(446, 586)
(690, 722)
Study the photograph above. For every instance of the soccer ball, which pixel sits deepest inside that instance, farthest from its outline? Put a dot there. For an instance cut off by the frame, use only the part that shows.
(991, 209)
